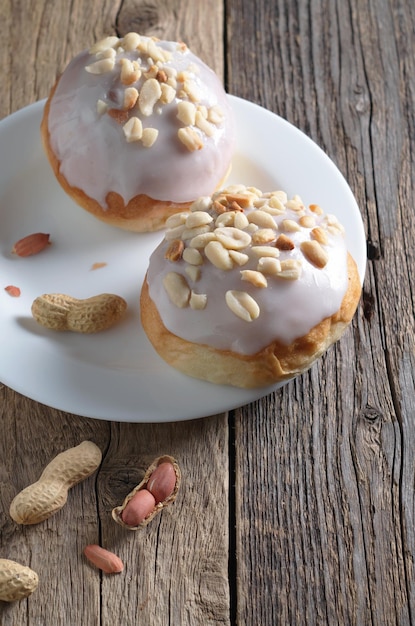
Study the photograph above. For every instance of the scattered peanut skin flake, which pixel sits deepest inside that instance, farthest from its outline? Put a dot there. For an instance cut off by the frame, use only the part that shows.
(13, 291)
(97, 266)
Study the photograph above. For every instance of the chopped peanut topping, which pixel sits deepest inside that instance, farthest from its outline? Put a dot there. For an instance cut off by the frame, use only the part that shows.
(149, 94)
(218, 255)
(284, 243)
(177, 289)
(151, 83)
(130, 97)
(149, 137)
(198, 301)
(315, 253)
(186, 113)
(175, 250)
(319, 235)
(242, 305)
(133, 129)
(101, 67)
(254, 277)
(217, 233)
(190, 138)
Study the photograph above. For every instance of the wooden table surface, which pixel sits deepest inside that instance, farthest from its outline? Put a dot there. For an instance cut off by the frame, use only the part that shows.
(298, 508)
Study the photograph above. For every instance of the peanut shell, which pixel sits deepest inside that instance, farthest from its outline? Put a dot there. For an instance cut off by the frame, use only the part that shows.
(58, 311)
(47, 496)
(16, 581)
(117, 511)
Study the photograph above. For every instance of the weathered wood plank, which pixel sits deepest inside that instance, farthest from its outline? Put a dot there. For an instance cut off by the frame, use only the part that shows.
(324, 526)
(176, 569)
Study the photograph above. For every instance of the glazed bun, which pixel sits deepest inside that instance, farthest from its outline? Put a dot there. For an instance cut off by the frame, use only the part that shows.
(136, 129)
(249, 289)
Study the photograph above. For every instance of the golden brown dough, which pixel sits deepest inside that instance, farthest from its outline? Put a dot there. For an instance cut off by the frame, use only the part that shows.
(276, 362)
(140, 214)
(136, 128)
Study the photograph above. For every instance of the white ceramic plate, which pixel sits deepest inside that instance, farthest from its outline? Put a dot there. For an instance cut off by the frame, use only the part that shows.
(116, 375)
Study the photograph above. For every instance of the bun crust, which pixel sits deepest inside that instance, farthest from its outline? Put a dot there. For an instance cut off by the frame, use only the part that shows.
(140, 214)
(276, 362)
(136, 129)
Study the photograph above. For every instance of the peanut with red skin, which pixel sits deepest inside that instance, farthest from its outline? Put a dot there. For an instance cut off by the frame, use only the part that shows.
(138, 508)
(105, 560)
(31, 244)
(157, 490)
(162, 481)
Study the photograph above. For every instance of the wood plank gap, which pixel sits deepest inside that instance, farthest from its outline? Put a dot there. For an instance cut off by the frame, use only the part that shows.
(232, 562)
(226, 45)
(402, 484)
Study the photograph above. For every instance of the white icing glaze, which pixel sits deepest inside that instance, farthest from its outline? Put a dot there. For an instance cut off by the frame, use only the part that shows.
(91, 146)
(288, 308)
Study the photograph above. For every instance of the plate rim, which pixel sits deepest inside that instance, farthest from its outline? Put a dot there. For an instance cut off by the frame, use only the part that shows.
(34, 109)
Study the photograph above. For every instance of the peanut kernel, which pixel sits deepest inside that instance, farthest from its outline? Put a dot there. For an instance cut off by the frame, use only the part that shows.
(186, 113)
(190, 138)
(319, 235)
(198, 218)
(307, 221)
(133, 129)
(149, 94)
(102, 107)
(200, 241)
(240, 221)
(205, 126)
(103, 44)
(101, 67)
(177, 289)
(261, 219)
(193, 272)
(254, 277)
(289, 226)
(239, 258)
(198, 301)
(218, 255)
(201, 204)
(225, 219)
(174, 232)
(130, 72)
(269, 265)
(176, 220)
(190, 233)
(130, 97)
(130, 41)
(284, 243)
(168, 94)
(232, 238)
(192, 256)
(192, 90)
(242, 305)
(215, 115)
(175, 250)
(290, 269)
(315, 253)
(315, 208)
(263, 235)
(278, 199)
(261, 251)
(149, 137)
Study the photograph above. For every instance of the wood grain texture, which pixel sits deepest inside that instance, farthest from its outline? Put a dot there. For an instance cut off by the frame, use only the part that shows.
(176, 570)
(303, 511)
(330, 528)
